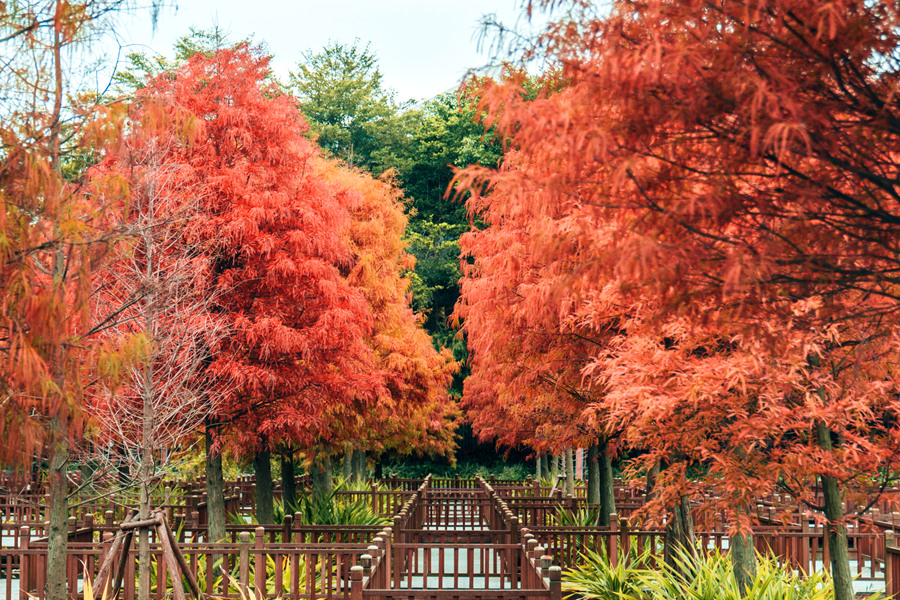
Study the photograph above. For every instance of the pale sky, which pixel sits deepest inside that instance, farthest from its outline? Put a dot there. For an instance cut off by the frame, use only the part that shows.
(424, 47)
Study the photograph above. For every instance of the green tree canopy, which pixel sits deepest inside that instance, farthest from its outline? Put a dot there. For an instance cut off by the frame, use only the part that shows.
(341, 95)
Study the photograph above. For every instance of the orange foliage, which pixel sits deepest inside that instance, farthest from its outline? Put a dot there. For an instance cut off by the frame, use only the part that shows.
(273, 231)
(705, 196)
(306, 260)
(414, 411)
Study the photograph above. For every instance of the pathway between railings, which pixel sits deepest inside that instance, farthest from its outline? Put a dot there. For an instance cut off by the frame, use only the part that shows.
(455, 539)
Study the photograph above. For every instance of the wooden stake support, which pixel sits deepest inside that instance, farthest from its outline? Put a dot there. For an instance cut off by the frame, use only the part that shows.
(117, 558)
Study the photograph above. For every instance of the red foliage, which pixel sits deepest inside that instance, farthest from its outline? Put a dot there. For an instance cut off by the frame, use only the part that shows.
(706, 193)
(414, 411)
(273, 230)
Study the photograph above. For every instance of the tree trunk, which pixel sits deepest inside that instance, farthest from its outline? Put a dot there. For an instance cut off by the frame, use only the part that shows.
(837, 530)
(215, 491)
(607, 485)
(288, 483)
(265, 498)
(322, 485)
(570, 472)
(743, 558)
(348, 463)
(538, 468)
(652, 474)
(57, 535)
(144, 537)
(545, 466)
(359, 466)
(593, 477)
(554, 469)
(679, 542)
(146, 473)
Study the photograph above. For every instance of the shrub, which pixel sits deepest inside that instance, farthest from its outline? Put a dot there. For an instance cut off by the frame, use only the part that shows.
(708, 577)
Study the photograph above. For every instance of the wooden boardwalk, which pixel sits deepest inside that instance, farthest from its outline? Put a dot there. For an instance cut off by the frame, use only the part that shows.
(456, 542)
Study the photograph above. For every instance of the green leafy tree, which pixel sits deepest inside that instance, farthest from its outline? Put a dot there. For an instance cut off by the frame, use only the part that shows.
(442, 134)
(342, 97)
(140, 67)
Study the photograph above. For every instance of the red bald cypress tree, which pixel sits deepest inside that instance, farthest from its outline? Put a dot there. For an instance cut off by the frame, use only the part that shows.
(273, 232)
(728, 171)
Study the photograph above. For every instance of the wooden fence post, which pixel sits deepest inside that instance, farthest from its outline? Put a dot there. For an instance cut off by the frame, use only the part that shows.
(891, 567)
(244, 557)
(385, 570)
(259, 562)
(555, 583)
(356, 582)
(287, 529)
(25, 575)
(624, 540)
(613, 547)
(365, 561)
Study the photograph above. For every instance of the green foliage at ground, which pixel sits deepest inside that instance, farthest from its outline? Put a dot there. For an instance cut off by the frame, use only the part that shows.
(463, 469)
(583, 517)
(707, 577)
(331, 509)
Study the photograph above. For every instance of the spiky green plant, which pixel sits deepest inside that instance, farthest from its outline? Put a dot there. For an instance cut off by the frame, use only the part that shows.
(709, 577)
(596, 578)
(331, 509)
(583, 517)
(202, 564)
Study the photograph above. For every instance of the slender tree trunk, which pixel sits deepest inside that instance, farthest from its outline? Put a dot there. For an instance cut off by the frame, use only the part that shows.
(359, 466)
(570, 472)
(265, 497)
(554, 468)
(144, 537)
(607, 484)
(652, 474)
(679, 540)
(743, 558)
(593, 476)
(348, 463)
(215, 491)
(837, 530)
(538, 468)
(57, 535)
(288, 483)
(545, 466)
(322, 485)
(146, 468)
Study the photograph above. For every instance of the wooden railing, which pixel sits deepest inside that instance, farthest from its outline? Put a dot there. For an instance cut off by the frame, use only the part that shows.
(804, 550)
(460, 533)
(272, 569)
(240, 501)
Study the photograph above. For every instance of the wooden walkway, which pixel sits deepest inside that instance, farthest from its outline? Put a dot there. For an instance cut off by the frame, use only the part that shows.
(455, 542)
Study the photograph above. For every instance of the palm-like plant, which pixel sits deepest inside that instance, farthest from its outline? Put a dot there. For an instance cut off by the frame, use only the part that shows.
(330, 509)
(709, 577)
(596, 578)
